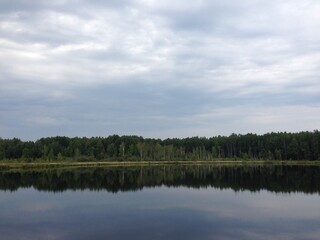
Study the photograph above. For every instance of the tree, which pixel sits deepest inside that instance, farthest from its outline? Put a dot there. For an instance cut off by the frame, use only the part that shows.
(277, 154)
(51, 155)
(293, 149)
(122, 149)
(2, 150)
(141, 147)
(60, 158)
(111, 150)
(77, 153)
(303, 145)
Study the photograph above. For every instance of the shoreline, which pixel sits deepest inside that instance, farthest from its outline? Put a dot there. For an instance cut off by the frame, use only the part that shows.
(24, 165)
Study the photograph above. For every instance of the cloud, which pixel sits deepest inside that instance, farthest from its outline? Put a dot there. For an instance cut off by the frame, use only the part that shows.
(44, 120)
(158, 67)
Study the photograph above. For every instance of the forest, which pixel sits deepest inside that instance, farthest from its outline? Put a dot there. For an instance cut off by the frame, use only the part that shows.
(270, 146)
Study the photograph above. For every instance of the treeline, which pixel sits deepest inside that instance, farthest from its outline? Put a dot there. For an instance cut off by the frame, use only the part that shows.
(271, 146)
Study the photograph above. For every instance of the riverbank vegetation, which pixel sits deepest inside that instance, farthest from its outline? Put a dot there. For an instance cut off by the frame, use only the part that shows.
(253, 147)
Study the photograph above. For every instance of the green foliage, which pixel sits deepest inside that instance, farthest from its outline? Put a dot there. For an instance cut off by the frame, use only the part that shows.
(60, 157)
(51, 155)
(271, 146)
(2, 150)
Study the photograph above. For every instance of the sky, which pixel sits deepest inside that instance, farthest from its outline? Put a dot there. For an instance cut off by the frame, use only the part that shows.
(158, 69)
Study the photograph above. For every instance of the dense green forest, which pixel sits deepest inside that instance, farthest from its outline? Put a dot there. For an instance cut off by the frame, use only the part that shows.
(271, 146)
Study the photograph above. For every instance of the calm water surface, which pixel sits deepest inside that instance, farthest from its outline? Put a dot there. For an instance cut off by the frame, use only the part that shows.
(194, 202)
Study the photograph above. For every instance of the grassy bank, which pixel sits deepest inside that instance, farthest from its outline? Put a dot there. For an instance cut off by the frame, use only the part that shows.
(24, 165)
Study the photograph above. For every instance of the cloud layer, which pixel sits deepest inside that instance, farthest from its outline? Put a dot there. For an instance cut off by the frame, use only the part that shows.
(158, 68)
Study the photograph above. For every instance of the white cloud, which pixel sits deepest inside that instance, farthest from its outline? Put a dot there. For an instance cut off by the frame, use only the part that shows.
(231, 50)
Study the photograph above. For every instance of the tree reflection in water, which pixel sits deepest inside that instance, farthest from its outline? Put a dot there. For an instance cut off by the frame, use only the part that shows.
(113, 179)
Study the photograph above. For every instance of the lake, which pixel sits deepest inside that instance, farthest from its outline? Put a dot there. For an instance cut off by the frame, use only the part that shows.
(161, 202)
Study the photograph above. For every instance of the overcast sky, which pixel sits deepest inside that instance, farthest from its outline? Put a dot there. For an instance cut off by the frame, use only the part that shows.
(158, 68)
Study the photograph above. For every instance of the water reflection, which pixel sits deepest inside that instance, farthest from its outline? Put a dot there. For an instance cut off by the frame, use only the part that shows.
(254, 178)
(189, 202)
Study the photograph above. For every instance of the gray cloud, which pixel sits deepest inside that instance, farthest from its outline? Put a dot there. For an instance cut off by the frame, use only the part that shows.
(158, 68)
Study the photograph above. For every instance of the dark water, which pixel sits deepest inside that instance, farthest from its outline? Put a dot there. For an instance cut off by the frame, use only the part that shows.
(186, 202)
